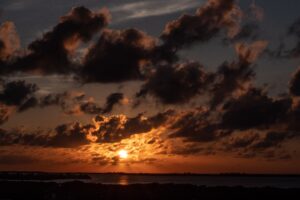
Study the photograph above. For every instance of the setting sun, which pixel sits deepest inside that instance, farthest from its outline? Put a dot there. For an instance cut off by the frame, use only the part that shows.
(123, 154)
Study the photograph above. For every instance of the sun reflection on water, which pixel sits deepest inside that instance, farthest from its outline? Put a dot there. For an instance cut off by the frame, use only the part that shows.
(123, 180)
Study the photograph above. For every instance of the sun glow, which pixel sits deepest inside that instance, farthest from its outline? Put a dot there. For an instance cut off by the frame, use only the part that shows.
(123, 154)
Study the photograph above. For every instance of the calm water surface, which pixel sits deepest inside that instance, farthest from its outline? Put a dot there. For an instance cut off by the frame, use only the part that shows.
(246, 181)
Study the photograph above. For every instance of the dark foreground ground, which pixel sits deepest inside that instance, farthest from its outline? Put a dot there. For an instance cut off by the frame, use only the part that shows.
(89, 191)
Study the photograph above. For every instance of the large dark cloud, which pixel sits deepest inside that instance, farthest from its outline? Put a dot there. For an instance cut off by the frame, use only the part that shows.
(65, 136)
(118, 56)
(209, 21)
(254, 110)
(175, 84)
(50, 54)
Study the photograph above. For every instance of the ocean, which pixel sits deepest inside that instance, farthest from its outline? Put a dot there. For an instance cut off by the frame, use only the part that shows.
(207, 180)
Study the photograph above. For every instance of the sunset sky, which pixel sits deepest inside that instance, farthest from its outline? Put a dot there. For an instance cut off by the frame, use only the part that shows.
(156, 86)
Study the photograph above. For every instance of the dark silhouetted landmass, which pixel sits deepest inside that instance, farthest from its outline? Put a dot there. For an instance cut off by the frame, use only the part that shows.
(78, 190)
(41, 176)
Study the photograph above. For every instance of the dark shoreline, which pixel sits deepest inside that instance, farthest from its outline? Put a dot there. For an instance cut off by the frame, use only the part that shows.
(42, 176)
(79, 190)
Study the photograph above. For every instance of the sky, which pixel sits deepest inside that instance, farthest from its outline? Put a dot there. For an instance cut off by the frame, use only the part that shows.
(155, 86)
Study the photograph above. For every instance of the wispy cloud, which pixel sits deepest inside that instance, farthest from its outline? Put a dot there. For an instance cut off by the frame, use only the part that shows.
(154, 8)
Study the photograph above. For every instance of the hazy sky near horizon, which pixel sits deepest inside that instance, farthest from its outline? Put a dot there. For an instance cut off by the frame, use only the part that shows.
(204, 85)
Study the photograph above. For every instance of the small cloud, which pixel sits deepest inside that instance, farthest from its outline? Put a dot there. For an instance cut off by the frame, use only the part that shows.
(154, 8)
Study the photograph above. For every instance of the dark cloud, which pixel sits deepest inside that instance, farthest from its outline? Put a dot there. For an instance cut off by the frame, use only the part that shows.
(242, 141)
(273, 139)
(236, 76)
(90, 107)
(29, 103)
(118, 56)
(209, 21)
(69, 102)
(51, 53)
(111, 101)
(197, 126)
(175, 84)
(254, 110)
(75, 103)
(70, 135)
(65, 136)
(16, 93)
(295, 84)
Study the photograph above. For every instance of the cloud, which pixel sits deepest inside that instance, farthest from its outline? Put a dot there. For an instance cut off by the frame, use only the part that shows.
(250, 52)
(118, 127)
(118, 56)
(175, 84)
(90, 107)
(153, 8)
(76, 103)
(208, 22)
(197, 126)
(282, 51)
(261, 111)
(295, 84)
(17, 93)
(5, 113)
(9, 41)
(255, 12)
(294, 30)
(50, 54)
(103, 129)
(242, 141)
(236, 77)
(249, 31)
(111, 101)
(273, 139)
(65, 136)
